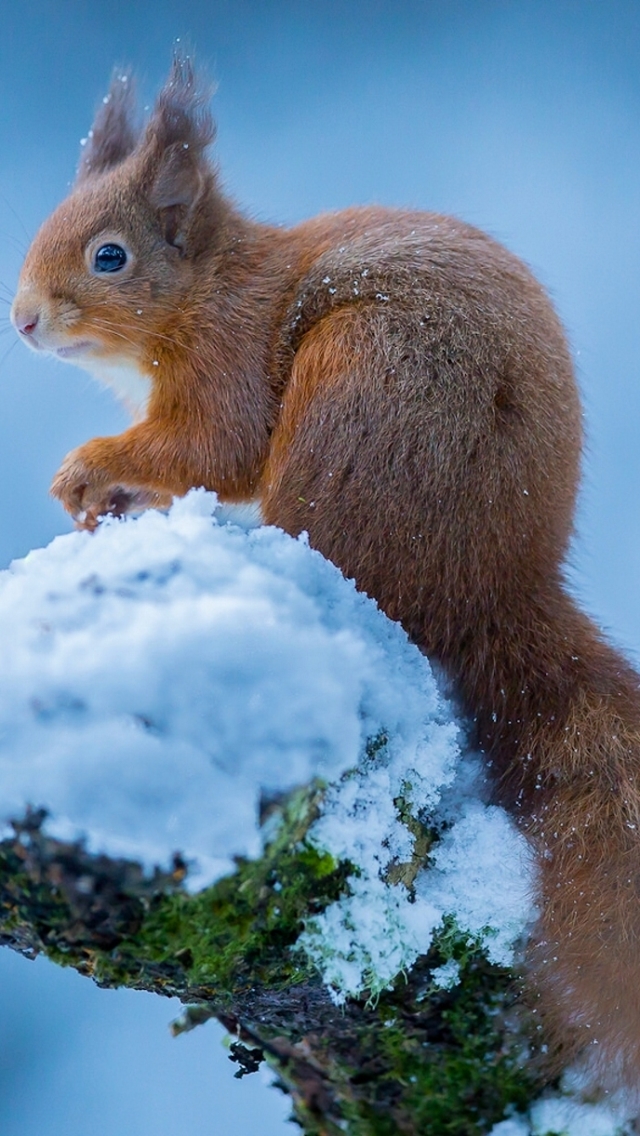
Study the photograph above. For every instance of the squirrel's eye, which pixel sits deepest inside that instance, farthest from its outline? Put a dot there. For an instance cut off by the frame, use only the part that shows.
(109, 258)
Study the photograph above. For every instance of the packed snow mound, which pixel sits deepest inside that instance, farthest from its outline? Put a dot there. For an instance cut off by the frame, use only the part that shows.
(162, 675)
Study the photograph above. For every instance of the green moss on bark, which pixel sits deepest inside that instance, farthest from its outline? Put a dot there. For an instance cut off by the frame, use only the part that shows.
(416, 1060)
(239, 933)
(430, 1061)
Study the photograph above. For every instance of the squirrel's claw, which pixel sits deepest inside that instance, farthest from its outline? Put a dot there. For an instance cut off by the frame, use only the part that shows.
(88, 493)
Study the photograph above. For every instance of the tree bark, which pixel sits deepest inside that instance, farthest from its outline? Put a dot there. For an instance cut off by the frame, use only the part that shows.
(417, 1060)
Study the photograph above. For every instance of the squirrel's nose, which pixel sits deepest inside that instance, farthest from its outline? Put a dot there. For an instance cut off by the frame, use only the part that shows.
(26, 323)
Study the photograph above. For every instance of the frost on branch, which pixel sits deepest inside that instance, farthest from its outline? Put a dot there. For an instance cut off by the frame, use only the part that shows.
(232, 778)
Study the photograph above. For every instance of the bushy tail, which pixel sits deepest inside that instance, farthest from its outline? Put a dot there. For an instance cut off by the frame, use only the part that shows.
(583, 815)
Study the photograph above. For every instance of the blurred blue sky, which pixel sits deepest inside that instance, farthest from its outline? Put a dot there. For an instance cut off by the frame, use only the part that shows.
(523, 117)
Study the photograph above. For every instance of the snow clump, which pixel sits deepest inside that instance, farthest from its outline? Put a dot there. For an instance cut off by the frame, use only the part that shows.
(163, 675)
(570, 1112)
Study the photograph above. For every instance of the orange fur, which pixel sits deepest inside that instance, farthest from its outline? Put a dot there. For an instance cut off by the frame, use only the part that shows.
(397, 384)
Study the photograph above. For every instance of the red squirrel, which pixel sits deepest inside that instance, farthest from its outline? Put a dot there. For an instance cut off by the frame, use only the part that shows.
(397, 384)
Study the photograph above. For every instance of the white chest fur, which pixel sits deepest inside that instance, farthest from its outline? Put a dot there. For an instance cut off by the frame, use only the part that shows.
(129, 384)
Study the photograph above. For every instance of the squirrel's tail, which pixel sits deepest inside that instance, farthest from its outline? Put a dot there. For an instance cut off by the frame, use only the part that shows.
(586, 953)
(559, 719)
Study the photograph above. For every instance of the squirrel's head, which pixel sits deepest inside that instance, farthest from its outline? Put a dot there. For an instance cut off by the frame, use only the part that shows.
(110, 266)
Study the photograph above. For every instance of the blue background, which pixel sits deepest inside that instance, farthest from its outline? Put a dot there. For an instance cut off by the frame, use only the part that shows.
(521, 117)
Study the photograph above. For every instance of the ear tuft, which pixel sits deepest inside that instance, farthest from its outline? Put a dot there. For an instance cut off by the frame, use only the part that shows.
(182, 113)
(114, 133)
(179, 131)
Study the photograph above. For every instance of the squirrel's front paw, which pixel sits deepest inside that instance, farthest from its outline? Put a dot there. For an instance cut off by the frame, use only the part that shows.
(88, 492)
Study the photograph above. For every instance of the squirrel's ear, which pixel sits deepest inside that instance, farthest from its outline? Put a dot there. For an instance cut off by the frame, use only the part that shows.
(114, 133)
(177, 188)
(179, 131)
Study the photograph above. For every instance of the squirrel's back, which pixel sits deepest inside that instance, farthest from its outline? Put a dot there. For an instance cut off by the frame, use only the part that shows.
(434, 372)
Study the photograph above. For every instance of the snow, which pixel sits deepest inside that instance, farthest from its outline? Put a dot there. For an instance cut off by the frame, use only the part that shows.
(490, 891)
(480, 870)
(164, 674)
(514, 1126)
(575, 1118)
(447, 975)
(572, 1111)
(564, 1116)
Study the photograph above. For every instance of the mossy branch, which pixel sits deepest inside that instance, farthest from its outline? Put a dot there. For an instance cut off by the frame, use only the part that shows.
(417, 1059)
